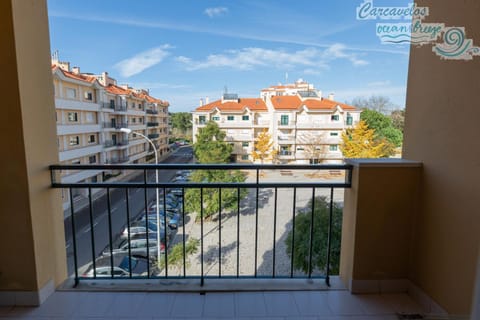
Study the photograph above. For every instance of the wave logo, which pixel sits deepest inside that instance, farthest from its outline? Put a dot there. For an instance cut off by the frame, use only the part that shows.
(455, 45)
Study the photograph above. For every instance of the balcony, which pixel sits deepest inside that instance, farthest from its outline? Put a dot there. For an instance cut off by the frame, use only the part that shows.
(116, 125)
(108, 105)
(286, 139)
(112, 144)
(153, 135)
(152, 124)
(117, 160)
(248, 243)
(151, 111)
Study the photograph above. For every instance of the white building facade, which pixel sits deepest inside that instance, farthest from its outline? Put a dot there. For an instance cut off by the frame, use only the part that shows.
(90, 111)
(304, 127)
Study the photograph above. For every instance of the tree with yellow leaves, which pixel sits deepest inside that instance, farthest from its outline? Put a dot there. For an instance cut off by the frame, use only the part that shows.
(263, 147)
(360, 142)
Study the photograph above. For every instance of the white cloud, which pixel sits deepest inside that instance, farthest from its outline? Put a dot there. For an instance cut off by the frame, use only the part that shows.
(216, 12)
(143, 60)
(312, 59)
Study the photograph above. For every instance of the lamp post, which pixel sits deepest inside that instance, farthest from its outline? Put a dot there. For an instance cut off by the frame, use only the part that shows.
(128, 131)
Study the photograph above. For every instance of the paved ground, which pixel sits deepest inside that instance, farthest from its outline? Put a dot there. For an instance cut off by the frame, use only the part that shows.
(268, 241)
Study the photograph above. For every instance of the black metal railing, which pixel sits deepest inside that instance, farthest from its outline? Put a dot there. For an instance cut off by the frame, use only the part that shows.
(153, 135)
(151, 111)
(152, 124)
(271, 225)
(116, 125)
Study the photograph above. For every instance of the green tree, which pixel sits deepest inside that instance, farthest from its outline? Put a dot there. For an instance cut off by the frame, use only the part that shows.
(211, 148)
(383, 127)
(360, 142)
(175, 255)
(301, 244)
(181, 125)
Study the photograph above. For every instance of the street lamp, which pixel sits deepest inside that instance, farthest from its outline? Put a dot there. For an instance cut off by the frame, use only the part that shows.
(128, 131)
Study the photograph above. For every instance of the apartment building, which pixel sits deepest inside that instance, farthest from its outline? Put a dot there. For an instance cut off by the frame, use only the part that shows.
(305, 128)
(91, 110)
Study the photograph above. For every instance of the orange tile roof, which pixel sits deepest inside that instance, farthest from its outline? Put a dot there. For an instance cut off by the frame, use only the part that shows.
(76, 76)
(286, 102)
(294, 103)
(254, 104)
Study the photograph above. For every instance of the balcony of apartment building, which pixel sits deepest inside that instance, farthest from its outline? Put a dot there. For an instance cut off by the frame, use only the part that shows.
(151, 111)
(113, 124)
(108, 144)
(153, 135)
(137, 125)
(409, 229)
(152, 124)
(79, 151)
(84, 105)
(77, 128)
(117, 160)
(286, 139)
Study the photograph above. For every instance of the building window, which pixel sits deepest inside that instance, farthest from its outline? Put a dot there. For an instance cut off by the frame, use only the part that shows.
(300, 148)
(245, 144)
(349, 120)
(134, 120)
(139, 106)
(244, 156)
(71, 93)
(77, 161)
(74, 141)
(216, 118)
(335, 117)
(88, 96)
(73, 117)
(245, 118)
(201, 119)
(230, 118)
(112, 104)
(333, 147)
(140, 120)
(314, 161)
(91, 138)
(333, 134)
(284, 120)
(92, 159)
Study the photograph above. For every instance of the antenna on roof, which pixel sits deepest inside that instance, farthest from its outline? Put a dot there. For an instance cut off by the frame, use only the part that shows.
(225, 89)
(55, 56)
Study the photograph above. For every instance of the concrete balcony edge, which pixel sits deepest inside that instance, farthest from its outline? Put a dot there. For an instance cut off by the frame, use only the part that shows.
(383, 162)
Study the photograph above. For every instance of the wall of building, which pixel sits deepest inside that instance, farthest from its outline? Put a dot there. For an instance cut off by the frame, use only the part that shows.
(32, 246)
(442, 130)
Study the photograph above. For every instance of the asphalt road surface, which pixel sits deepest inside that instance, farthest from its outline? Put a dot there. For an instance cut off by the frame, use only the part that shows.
(118, 215)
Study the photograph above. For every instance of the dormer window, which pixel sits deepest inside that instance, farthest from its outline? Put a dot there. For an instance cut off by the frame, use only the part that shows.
(335, 117)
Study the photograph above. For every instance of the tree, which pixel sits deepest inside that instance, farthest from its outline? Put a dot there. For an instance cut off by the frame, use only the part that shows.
(378, 103)
(383, 126)
(301, 244)
(314, 146)
(398, 119)
(211, 148)
(181, 125)
(175, 256)
(263, 147)
(360, 142)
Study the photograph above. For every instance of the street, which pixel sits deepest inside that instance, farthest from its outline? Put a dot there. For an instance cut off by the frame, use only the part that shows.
(118, 216)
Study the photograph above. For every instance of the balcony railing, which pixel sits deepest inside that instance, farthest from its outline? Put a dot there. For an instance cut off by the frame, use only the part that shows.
(151, 111)
(108, 105)
(152, 124)
(117, 125)
(269, 222)
(111, 143)
(117, 160)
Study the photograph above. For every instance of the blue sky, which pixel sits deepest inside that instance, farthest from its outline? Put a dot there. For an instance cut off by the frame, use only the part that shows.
(187, 50)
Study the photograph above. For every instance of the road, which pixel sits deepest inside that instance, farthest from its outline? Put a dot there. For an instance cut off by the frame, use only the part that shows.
(118, 215)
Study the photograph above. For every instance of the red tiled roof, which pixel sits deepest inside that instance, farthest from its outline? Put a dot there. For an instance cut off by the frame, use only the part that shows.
(254, 104)
(76, 76)
(286, 102)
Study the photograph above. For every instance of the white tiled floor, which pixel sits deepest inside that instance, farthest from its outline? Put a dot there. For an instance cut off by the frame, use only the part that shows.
(331, 305)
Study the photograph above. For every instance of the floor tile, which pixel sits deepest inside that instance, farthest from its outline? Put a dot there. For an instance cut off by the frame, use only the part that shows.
(158, 305)
(344, 303)
(96, 304)
(280, 304)
(403, 303)
(59, 304)
(311, 303)
(250, 304)
(219, 305)
(375, 304)
(188, 305)
(126, 304)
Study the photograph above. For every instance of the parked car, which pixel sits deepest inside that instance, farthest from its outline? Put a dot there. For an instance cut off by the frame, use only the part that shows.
(173, 219)
(137, 228)
(121, 266)
(175, 191)
(138, 247)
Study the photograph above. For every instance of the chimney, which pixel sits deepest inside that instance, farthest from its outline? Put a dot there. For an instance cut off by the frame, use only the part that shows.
(207, 100)
(331, 96)
(201, 102)
(76, 70)
(64, 66)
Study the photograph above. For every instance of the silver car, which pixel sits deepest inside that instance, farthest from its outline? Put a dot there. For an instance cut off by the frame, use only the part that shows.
(138, 247)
